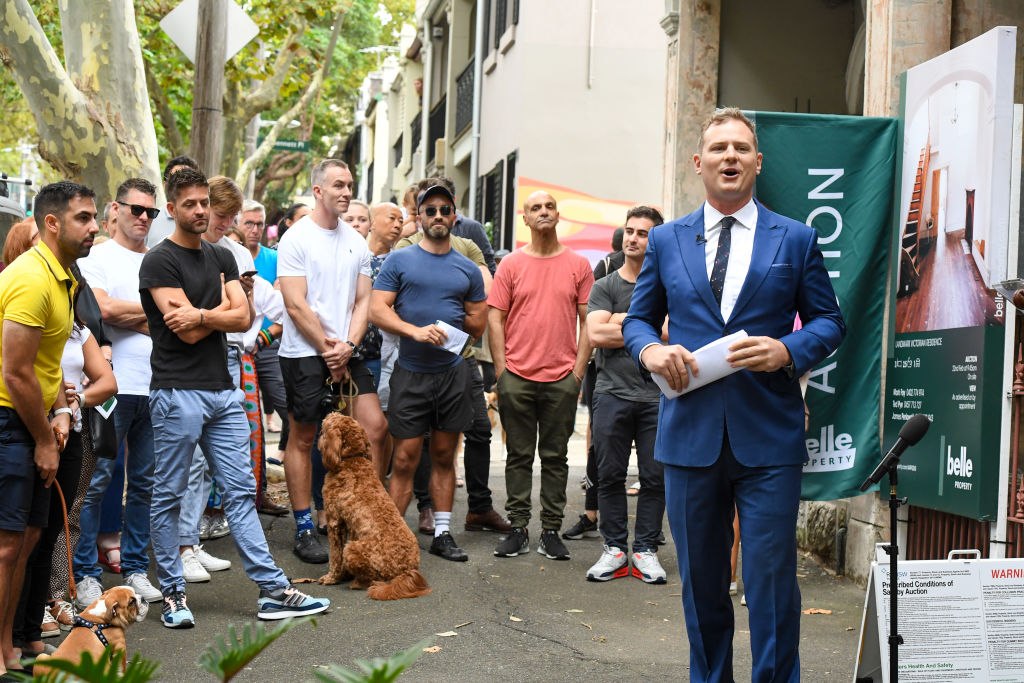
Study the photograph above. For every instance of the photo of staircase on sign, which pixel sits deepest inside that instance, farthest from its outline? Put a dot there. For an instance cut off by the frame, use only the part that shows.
(939, 285)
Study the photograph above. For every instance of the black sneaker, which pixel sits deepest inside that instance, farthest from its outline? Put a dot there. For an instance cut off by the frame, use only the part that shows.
(444, 546)
(582, 529)
(308, 549)
(551, 546)
(516, 543)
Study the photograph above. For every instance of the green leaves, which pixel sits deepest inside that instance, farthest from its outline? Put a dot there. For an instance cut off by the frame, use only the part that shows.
(107, 669)
(225, 659)
(377, 670)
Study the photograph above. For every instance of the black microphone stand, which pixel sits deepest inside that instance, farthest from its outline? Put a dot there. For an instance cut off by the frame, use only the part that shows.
(895, 639)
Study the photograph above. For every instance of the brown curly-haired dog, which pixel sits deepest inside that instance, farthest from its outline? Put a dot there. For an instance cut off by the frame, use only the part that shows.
(370, 542)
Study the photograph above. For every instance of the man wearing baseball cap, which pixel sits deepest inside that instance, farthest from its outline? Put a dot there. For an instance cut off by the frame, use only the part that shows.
(430, 295)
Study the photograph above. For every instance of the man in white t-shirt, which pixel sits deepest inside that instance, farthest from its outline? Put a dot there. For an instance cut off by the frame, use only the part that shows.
(112, 270)
(323, 267)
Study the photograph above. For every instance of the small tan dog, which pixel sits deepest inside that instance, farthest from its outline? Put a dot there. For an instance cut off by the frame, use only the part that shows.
(370, 542)
(109, 616)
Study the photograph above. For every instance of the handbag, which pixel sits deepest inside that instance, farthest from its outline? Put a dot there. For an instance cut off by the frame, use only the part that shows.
(103, 433)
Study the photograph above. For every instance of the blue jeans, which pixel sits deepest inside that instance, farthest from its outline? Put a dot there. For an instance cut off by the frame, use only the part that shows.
(200, 482)
(214, 420)
(112, 506)
(132, 421)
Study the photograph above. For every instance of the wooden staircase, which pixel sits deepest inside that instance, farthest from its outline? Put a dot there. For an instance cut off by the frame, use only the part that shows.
(910, 244)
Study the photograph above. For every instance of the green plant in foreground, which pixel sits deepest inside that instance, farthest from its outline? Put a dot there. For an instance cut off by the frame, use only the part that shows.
(225, 659)
(105, 669)
(377, 670)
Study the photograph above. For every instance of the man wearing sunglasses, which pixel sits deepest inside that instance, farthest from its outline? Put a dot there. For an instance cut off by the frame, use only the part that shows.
(417, 287)
(112, 270)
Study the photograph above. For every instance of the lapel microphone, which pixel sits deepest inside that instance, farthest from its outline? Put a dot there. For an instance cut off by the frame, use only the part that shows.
(700, 239)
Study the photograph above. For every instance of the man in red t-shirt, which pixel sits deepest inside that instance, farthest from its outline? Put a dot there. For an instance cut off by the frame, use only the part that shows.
(537, 327)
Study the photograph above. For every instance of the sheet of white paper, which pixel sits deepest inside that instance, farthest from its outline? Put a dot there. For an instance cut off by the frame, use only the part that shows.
(457, 339)
(711, 365)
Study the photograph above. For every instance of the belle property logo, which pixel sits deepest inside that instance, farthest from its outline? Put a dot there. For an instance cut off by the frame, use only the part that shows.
(830, 452)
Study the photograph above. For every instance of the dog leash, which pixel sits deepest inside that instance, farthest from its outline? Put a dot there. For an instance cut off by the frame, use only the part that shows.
(347, 393)
(67, 543)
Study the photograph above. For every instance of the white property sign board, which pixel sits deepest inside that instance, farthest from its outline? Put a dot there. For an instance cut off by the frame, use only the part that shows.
(961, 620)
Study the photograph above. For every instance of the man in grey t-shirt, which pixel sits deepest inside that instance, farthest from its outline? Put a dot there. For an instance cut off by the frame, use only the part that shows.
(625, 410)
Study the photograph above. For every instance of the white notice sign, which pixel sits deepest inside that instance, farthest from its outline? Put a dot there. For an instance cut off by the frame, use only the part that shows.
(961, 620)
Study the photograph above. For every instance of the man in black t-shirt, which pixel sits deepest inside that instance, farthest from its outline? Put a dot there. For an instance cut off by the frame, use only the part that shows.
(625, 410)
(191, 296)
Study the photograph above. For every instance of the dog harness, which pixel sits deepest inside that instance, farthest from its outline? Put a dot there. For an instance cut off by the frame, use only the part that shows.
(94, 627)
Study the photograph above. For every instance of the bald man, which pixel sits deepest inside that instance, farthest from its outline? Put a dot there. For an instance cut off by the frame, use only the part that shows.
(538, 337)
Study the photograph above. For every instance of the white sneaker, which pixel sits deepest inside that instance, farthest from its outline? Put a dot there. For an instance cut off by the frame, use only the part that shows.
(89, 591)
(611, 565)
(192, 569)
(209, 562)
(733, 588)
(647, 568)
(139, 582)
(218, 526)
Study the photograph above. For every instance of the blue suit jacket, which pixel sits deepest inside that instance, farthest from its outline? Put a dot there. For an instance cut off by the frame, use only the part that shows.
(763, 410)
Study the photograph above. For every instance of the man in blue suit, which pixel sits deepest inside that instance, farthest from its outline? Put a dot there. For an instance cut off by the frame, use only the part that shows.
(734, 265)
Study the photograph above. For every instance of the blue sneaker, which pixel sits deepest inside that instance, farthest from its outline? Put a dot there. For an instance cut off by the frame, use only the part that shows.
(289, 601)
(175, 613)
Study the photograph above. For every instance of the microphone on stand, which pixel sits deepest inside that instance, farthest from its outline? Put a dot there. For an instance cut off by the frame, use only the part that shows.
(910, 433)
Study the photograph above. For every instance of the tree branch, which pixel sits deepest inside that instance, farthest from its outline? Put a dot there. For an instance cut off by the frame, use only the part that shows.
(266, 95)
(314, 86)
(274, 171)
(175, 143)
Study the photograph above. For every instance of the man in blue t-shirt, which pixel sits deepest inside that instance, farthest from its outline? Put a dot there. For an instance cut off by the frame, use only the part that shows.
(421, 290)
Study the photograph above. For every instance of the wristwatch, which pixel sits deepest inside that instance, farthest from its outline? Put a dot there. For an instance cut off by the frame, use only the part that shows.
(350, 344)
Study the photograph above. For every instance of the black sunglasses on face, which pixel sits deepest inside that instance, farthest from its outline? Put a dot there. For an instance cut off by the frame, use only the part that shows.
(431, 211)
(137, 210)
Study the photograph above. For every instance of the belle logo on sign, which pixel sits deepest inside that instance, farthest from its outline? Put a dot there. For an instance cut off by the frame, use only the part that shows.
(960, 468)
(830, 452)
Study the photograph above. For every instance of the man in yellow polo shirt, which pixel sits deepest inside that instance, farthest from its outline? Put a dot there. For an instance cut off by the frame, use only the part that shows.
(36, 292)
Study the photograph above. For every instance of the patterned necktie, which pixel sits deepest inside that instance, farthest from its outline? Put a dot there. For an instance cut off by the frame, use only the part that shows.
(722, 258)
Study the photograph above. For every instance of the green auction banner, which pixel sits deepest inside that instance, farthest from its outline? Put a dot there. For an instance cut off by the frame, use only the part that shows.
(837, 173)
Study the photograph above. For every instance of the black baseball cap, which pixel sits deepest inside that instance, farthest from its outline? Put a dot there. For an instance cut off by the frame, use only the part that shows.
(432, 190)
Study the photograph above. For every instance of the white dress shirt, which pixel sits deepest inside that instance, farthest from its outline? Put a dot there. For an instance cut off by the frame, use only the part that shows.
(740, 251)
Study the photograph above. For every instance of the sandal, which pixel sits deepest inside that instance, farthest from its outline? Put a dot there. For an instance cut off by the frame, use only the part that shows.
(113, 565)
(633, 490)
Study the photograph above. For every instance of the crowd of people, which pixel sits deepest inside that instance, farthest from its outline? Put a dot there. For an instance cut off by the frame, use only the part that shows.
(136, 372)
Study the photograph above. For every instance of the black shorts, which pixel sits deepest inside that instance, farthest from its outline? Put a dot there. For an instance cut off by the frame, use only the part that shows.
(421, 401)
(307, 392)
(26, 500)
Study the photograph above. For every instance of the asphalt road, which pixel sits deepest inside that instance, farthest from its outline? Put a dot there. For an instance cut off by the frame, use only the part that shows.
(517, 619)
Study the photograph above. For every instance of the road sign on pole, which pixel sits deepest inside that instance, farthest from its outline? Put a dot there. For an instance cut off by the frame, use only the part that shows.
(182, 23)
